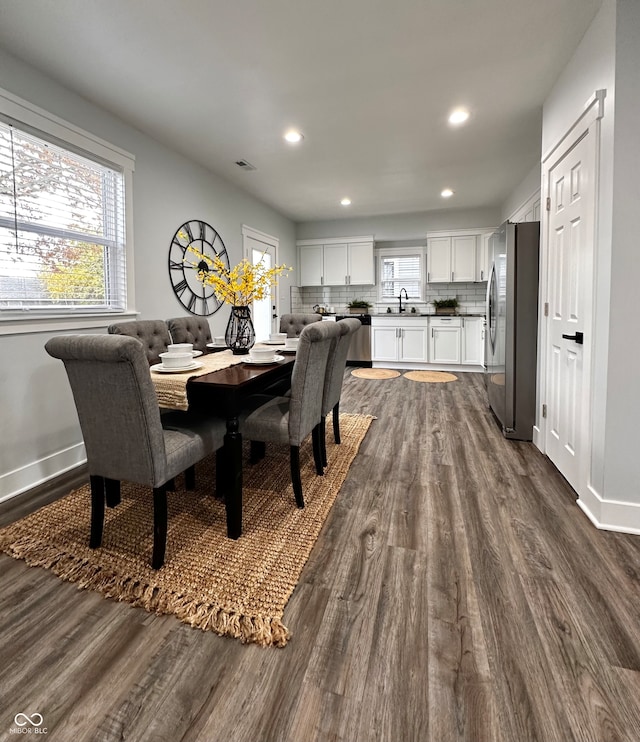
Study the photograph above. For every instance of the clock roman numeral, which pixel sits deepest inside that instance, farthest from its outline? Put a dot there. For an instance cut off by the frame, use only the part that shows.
(192, 302)
(187, 229)
(175, 265)
(180, 288)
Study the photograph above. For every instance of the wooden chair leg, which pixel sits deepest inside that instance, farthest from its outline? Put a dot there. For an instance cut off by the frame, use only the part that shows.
(323, 440)
(112, 488)
(159, 526)
(294, 456)
(190, 478)
(257, 451)
(336, 423)
(97, 511)
(317, 450)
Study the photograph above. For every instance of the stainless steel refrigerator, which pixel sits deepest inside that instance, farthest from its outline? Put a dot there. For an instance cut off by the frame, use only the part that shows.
(512, 327)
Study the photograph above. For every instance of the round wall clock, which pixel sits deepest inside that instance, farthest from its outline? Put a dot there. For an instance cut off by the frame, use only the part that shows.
(195, 296)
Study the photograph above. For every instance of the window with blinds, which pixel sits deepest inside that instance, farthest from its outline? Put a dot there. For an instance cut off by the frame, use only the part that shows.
(401, 272)
(62, 227)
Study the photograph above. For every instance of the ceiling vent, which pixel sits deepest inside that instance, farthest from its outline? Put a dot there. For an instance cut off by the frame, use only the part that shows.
(244, 165)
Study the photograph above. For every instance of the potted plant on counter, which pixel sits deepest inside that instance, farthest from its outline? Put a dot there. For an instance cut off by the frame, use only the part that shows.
(445, 306)
(359, 306)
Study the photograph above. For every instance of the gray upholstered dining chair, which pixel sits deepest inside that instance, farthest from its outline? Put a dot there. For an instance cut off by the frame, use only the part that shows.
(124, 436)
(194, 330)
(334, 377)
(293, 324)
(152, 333)
(290, 419)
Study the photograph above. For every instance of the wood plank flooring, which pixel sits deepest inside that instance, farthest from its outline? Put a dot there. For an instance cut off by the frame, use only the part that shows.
(456, 593)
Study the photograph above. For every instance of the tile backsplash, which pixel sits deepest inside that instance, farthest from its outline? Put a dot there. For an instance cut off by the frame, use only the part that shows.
(471, 297)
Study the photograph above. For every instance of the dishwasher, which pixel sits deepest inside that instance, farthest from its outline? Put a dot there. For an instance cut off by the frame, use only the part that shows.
(360, 348)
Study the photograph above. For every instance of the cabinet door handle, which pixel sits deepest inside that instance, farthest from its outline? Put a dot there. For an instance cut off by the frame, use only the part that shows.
(482, 275)
(321, 280)
(428, 275)
(452, 275)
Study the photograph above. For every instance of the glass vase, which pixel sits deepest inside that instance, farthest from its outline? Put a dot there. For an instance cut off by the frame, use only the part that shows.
(240, 335)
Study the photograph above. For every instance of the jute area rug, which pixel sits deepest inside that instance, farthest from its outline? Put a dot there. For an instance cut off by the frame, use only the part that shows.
(234, 588)
(431, 377)
(375, 373)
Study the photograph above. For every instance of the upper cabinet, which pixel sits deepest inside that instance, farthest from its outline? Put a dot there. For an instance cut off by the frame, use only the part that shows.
(482, 266)
(457, 256)
(337, 262)
(451, 259)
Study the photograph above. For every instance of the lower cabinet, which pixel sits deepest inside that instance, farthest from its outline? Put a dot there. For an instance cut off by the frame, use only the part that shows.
(394, 340)
(444, 339)
(473, 341)
(434, 340)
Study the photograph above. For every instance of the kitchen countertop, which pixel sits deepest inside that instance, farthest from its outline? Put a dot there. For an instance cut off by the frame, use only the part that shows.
(430, 314)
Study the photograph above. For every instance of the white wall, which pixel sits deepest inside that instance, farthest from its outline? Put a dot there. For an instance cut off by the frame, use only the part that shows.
(40, 434)
(522, 194)
(609, 58)
(398, 227)
(591, 68)
(621, 457)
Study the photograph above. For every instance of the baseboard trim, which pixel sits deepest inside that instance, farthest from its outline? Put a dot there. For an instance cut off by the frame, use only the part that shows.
(41, 471)
(610, 515)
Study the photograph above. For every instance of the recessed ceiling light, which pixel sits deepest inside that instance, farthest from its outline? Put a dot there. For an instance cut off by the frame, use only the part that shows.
(459, 116)
(447, 193)
(346, 202)
(293, 136)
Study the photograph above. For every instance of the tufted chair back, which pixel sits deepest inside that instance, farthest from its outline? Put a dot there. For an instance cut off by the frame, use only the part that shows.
(293, 324)
(152, 333)
(194, 330)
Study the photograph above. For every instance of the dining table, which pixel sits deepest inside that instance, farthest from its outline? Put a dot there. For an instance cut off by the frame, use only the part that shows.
(224, 392)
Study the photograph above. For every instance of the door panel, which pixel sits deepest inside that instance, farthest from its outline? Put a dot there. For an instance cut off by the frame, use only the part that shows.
(570, 258)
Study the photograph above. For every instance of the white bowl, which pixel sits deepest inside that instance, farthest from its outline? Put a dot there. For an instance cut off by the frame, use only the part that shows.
(279, 337)
(176, 360)
(179, 348)
(262, 354)
(291, 343)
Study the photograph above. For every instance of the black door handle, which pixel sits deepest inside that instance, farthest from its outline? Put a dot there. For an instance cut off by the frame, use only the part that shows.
(578, 337)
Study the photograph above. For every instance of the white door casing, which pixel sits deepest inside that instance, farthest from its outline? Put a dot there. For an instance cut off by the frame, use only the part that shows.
(570, 176)
(265, 313)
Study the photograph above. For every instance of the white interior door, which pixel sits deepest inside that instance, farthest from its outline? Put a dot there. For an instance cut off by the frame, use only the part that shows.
(262, 248)
(571, 190)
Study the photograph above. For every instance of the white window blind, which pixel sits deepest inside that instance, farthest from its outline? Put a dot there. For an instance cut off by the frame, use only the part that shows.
(62, 227)
(401, 272)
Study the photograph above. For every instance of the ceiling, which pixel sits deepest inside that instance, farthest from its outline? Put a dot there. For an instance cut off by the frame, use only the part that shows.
(369, 83)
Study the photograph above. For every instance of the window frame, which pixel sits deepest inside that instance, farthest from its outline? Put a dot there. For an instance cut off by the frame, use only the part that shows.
(38, 121)
(419, 251)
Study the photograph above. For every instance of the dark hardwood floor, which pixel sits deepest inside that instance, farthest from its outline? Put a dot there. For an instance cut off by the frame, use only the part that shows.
(456, 592)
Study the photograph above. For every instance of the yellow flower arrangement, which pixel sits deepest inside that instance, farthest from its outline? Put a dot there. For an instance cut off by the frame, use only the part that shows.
(239, 286)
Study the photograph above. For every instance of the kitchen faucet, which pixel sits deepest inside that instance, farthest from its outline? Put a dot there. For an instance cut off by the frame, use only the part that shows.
(406, 296)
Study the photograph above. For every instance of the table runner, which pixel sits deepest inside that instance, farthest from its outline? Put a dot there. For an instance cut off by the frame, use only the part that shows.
(171, 389)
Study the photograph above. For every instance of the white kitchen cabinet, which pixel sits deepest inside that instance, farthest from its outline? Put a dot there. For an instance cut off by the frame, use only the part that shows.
(472, 341)
(337, 262)
(452, 259)
(311, 265)
(361, 264)
(439, 260)
(384, 342)
(445, 339)
(394, 339)
(482, 263)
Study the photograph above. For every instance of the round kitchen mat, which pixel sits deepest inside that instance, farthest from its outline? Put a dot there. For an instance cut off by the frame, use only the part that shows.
(435, 377)
(375, 373)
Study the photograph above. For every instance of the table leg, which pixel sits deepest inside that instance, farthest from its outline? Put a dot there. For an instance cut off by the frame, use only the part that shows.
(233, 493)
